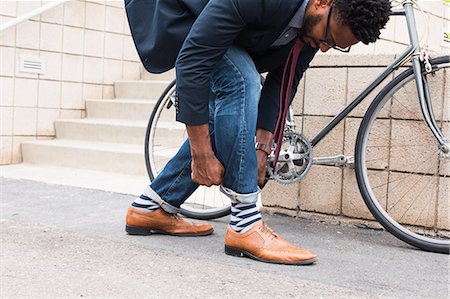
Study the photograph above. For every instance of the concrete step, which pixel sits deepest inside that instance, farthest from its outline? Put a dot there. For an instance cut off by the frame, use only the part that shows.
(102, 130)
(140, 89)
(110, 157)
(167, 76)
(127, 109)
(117, 131)
(78, 177)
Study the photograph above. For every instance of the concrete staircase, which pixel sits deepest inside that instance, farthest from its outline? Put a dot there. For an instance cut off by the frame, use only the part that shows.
(110, 138)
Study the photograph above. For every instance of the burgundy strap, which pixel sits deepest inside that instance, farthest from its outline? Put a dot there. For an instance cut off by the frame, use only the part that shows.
(285, 94)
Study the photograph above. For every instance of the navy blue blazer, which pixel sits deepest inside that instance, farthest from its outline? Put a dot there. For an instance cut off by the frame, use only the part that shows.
(193, 35)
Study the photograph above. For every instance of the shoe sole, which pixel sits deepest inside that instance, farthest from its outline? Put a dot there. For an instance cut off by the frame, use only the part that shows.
(141, 231)
(243, 253)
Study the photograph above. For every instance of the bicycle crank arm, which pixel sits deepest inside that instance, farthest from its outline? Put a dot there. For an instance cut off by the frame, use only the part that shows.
(339, 160)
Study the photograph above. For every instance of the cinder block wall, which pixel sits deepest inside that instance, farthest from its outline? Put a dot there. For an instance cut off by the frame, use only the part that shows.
(86, 46)
(332, 192)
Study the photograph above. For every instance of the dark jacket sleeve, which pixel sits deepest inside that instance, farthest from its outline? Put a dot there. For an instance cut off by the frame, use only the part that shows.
(213, 32)
(269, 104)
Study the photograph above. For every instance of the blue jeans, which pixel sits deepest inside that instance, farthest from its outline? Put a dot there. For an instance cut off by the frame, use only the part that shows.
(233, 112)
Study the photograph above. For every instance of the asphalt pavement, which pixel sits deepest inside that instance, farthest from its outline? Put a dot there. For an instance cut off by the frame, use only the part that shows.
(68, 242)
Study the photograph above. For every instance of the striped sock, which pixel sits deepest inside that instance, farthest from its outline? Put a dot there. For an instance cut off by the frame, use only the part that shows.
(144, 202)
(243, 216)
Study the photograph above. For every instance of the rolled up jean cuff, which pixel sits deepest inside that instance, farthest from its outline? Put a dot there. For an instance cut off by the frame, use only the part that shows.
(238, 197)
(164, 205)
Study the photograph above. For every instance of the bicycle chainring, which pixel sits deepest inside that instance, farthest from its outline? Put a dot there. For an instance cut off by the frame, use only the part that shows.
(294, 160)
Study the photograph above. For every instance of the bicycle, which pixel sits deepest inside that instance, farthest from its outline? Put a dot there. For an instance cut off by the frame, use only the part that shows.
(396, 173)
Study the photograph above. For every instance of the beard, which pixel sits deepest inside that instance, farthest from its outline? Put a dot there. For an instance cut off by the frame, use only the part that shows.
(308, 24)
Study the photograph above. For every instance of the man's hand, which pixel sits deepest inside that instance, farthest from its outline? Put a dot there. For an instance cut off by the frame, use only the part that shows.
(207, 171)
(206, 168)
(263, 137)
(262, 163)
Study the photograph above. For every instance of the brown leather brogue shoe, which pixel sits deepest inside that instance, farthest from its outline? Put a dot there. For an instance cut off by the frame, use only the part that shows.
(139, 222)
(263, 244)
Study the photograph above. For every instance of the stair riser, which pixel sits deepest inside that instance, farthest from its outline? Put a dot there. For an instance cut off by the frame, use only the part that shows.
(140, 89)
(167, 76)
(113, 133)
(124, 163)
(100, 132)
(131, 111)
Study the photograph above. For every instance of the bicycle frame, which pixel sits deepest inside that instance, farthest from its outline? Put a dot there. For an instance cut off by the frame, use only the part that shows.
(414, 51)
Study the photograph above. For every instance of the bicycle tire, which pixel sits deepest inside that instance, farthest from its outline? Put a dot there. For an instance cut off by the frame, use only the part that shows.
(189, 209)
(382, 174)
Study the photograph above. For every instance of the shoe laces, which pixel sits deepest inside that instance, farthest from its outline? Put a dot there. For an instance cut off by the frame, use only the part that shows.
(268, 231)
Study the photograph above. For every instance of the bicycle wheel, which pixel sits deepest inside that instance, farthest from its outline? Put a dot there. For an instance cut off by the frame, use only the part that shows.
(403, 175)
(163, 138)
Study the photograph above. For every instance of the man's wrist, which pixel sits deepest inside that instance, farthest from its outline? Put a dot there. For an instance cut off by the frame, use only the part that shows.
(200, 141)
(263, 147)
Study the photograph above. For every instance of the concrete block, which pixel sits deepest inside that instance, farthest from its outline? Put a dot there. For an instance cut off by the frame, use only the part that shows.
(413, 148)
(377, 150)
(7, 91)
(53, 66)
(129, 50)
(74, 13)
(94, 43)
(412, 198)
(25, 121)
(286, 196)
(45, 121)
(332, 58)
(358, 79)
(72, 68)
(6, 126)
(71, 95)
(27, 35)
(325, 91)
(72, 40)
(54, 15)
(95, 16)
(332, 144)
(405, 104)
(8, 8)
(320, 190)
(93, 70)
(112, 71)
(92, 91)
(5, 149)
(25, 92)
(69, 113)
(113, 45)
(353, 204)
(114, 17)
(51, 37)
(443, 217)
(297, 103)
(49, 94)
(131, 70)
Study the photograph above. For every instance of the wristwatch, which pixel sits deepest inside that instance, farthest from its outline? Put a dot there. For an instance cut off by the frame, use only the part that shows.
(263, 147)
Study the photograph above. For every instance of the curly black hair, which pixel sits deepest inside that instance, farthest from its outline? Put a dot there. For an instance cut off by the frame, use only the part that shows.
(364, 17)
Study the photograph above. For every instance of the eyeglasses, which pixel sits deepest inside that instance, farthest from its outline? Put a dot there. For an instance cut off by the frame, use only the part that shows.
(329, 44)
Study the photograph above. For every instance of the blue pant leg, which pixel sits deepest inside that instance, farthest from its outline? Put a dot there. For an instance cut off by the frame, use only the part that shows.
(236, 84)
